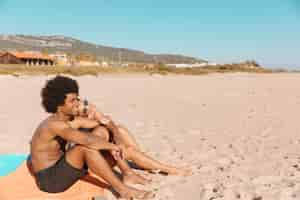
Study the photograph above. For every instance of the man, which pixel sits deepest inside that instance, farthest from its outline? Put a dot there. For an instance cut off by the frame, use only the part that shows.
(56, 168)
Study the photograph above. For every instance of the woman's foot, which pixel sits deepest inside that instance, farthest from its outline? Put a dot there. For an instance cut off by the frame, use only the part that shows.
(179, 171)
(134, 178)
(174, 171)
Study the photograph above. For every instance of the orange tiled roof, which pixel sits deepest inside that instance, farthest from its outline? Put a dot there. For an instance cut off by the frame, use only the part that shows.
(31, 55)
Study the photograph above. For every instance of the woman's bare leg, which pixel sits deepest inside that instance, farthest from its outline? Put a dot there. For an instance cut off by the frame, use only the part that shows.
(129, 176)
(126, 138)
(148, 163)
(142, 160)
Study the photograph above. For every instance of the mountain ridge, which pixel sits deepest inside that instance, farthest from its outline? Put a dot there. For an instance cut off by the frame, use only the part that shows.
(73, 46)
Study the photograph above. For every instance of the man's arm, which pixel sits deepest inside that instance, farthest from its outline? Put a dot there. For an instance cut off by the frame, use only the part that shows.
(65, 131)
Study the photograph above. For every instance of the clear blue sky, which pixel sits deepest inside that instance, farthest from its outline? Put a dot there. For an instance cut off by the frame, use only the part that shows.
(217, 30)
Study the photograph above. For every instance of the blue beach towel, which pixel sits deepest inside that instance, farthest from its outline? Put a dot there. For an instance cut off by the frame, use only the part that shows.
(10, 162)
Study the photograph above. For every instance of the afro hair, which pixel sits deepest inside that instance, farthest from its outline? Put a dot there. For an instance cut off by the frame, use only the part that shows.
(55, 92)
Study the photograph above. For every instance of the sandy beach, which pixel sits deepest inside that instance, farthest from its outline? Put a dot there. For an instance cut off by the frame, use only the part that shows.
(240, 133)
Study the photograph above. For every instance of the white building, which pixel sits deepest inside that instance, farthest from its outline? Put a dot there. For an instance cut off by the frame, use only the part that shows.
(104, 64)
(60, 58)
(188, 65)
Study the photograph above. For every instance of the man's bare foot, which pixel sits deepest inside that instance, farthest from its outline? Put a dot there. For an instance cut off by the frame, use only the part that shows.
(135, 178)
(132, 193)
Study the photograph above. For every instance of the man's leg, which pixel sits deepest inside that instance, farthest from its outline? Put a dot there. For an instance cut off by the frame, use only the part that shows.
(128, 175)
(78, 155)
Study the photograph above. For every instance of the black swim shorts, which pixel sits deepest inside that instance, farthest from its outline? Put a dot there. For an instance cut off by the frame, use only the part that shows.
(58, 177)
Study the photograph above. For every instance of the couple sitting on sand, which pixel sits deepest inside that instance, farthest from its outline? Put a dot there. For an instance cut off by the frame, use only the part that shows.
(97, 144)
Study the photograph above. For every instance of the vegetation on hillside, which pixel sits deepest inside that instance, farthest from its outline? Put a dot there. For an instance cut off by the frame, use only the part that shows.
(248, 66)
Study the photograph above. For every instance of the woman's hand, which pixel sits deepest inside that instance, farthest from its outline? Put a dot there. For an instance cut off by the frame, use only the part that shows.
(117, 153)
(83, 122)
(90, 111)
(87, 109)
(105, 120)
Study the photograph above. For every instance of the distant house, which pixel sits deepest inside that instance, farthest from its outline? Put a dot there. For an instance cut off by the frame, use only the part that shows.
(61, 59)
(25, 58)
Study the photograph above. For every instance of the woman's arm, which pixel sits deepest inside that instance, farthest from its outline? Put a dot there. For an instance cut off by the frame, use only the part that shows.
(104, 120)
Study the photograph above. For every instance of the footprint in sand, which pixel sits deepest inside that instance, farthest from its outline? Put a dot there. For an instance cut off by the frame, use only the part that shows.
(290, 194)
(266, 132)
